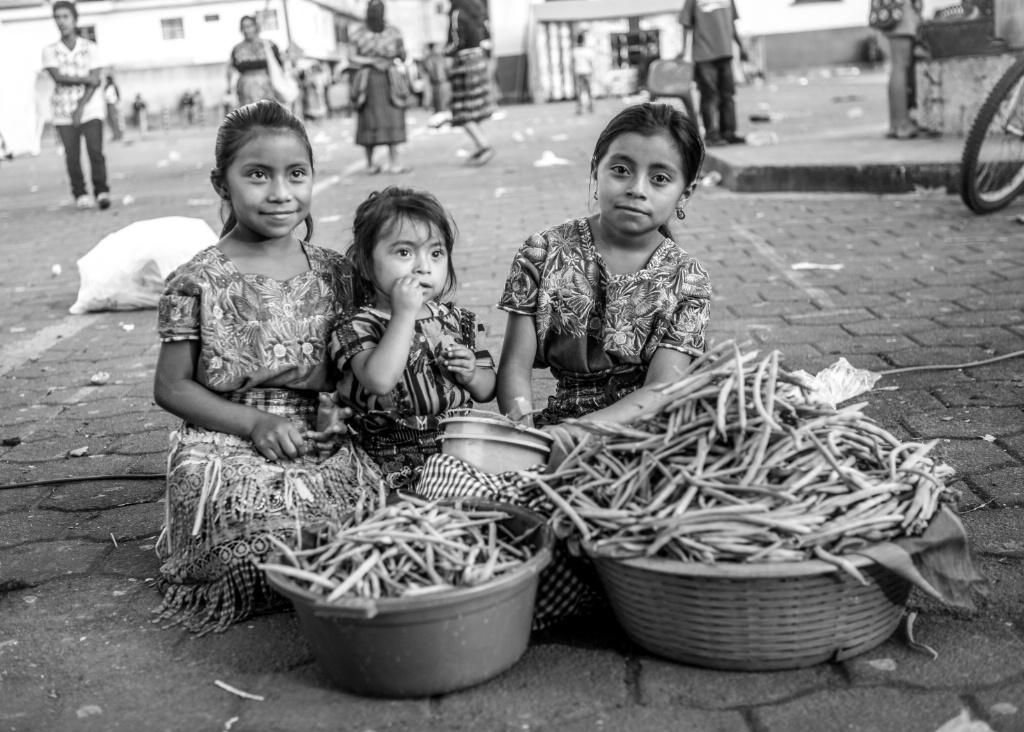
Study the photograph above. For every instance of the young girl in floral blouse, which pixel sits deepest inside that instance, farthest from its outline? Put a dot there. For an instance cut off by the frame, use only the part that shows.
(408, 358)
(244, 328)
(609, 302)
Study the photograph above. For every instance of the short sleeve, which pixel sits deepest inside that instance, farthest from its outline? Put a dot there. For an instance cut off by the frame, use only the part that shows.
(522, 286)
(686, 14)
(354, 333)
(686, 325)
(179, 309)
(343, 279)
(96, 60)
(356, 37)
(49, 58)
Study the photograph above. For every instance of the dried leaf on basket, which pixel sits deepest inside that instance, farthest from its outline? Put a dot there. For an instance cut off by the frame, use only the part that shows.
(732, 463)
(939, 561)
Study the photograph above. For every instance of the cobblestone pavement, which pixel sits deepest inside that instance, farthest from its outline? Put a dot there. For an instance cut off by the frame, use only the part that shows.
(922, 282)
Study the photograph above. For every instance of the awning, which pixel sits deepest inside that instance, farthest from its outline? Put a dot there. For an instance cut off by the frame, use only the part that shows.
(584, 10)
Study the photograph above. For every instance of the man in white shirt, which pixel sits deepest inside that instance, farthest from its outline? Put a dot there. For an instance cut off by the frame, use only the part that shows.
(74, 63)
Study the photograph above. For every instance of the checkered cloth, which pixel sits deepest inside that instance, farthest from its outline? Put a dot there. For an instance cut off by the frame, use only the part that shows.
(568, 586)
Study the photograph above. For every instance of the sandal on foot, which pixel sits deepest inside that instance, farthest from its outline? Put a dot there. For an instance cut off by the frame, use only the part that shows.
(373, 170)
(482, 156)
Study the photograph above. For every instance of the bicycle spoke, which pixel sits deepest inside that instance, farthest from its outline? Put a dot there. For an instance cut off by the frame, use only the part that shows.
(1000, 166)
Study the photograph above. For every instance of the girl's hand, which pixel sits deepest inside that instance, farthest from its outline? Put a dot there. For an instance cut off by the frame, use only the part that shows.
(276, 438)
(331, 420)
(407, 297)
(461, 362)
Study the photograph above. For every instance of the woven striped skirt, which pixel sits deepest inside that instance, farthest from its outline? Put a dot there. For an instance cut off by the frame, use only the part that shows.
(399, 452)
(578, 394)
(472, 100)
(224, 500)
(569, 586)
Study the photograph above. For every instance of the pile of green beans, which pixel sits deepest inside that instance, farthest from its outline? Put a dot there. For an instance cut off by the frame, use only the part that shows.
(412, 547)
(734, 463)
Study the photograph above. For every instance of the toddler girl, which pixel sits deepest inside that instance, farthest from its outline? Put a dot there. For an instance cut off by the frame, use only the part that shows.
(408, 358)
(244, 328)
(608, 301)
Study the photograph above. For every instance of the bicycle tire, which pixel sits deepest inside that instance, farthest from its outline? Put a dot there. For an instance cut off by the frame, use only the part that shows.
(990, 185)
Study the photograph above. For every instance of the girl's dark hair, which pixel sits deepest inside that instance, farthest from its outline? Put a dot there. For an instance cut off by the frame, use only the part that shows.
(379, 214)
(248, 17)
(375, 16)
(65, 5)
(652, 119)
(237, 129)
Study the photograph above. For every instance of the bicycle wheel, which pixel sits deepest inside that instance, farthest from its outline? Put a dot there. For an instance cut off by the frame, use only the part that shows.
(992, 167)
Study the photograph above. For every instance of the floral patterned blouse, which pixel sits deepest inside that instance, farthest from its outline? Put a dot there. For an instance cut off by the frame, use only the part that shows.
(589, 320)
(256, 331)
(427, 389)
(386, 44)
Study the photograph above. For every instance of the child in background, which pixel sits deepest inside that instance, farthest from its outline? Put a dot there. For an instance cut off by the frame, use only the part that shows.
(244, 328)
(583, 73)
(609, 302)
(408, 358)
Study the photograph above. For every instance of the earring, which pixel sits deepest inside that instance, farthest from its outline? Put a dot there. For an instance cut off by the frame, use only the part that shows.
(595, 194)
(680, 213)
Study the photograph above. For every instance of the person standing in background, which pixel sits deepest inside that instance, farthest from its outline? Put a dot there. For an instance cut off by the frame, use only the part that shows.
(248, 63)
(112, 96)
(74, 64)
(314, 101)
(376, 47)
(140, 114)
(901, 88)
(470, 75)
(583, 72)
(436, 67)
(709, 29)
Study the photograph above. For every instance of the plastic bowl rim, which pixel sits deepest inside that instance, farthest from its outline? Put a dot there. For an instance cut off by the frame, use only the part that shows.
(499, 423)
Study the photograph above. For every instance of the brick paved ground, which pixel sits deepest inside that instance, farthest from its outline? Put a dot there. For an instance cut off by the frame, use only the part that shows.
(923, 282)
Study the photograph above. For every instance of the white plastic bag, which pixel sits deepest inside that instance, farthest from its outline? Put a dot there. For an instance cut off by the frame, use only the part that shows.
(127, 269)
(837, 383)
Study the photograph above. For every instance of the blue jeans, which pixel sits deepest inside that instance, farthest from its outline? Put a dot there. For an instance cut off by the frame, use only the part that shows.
(71, 138)
(717, 88)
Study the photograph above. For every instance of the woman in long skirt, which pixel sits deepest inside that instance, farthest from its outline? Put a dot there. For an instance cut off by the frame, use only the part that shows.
(376, 46)
(472, 101)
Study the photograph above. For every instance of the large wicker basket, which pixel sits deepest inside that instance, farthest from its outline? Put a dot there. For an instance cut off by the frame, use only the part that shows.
(752, 617)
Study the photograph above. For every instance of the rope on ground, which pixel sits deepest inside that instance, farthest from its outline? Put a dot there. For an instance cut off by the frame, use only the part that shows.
(952, 366)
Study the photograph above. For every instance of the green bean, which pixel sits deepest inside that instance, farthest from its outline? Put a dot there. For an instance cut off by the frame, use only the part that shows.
(732, 432)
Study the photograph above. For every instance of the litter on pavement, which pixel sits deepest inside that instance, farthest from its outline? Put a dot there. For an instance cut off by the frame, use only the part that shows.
(547, 159)
(813, 265)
